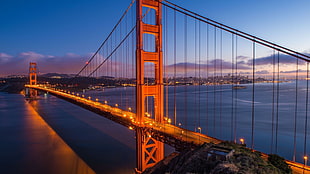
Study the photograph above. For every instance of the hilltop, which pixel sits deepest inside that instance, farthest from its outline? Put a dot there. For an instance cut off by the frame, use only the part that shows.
(201, 161)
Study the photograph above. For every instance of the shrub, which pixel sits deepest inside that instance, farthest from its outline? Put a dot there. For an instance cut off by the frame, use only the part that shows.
(279, 163)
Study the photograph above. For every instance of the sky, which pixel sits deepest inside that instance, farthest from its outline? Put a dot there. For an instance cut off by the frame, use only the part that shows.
(64, 33)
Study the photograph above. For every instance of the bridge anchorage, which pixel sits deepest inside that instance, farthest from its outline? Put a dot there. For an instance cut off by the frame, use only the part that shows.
(197, 81)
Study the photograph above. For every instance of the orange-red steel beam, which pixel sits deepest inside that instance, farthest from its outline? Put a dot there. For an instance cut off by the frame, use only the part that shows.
(32, 78)
(149, 150)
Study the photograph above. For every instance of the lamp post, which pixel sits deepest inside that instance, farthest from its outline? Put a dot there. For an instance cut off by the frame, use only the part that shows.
(242, 141)
(305, 160)
(199, 128)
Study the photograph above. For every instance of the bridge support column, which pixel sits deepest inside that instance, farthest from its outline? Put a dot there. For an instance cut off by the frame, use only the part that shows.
(32, 79)
(149, 150)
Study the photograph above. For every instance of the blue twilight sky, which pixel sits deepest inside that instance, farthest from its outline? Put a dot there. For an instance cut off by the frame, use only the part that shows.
(75, 28)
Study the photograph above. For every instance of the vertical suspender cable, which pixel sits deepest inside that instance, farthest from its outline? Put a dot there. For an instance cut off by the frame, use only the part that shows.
(185, 57)
(214, 84)
(175, 70)
(166, 59)
(278, 95)
(273, 101)
(253, 99)
(236, 91)
(207, 96)
(296, 112)
(232, 85)
(195, 75)
(307, 102)
(221, 85)
(199, 83)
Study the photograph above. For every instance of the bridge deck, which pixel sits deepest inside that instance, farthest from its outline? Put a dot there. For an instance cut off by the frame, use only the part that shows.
(127, 118)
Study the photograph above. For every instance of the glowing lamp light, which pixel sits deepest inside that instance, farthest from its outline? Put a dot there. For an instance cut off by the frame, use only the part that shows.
(89, 97)
(199, 128)
(305, 158)
(131, 128)
(105, 102)
(83, 95)
(242, 140)
(96, 99)
(169, 120)
(180, 124)
(116, 105)
(129, 109)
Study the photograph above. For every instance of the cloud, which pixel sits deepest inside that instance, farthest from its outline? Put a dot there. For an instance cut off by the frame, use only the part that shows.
(283, 59)
(4, 57)
(262, 72)
(30, 55)
(294, 71)
(68, 63)
(216, 64)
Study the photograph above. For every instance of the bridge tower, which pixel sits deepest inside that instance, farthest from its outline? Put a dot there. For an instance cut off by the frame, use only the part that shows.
(32, 78)
(149, 150)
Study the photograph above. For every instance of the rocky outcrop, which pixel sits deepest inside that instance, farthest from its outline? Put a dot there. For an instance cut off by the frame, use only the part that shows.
(243, 161)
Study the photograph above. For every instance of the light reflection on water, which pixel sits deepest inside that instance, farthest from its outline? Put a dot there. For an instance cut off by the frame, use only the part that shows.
(107, 147)
(29, 145)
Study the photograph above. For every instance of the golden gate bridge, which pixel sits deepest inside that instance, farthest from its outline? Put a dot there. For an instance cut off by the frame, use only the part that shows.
(179, 78)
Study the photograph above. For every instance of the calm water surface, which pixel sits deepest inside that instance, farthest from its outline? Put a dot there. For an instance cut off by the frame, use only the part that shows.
(226, 114)
(53, 136)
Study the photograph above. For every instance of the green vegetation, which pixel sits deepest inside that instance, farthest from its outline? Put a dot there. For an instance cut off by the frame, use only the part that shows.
(242, 161)
(280, 163)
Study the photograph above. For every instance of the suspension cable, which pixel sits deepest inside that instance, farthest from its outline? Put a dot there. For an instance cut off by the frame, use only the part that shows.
(237, 32)
(110, 34)
(112, 53)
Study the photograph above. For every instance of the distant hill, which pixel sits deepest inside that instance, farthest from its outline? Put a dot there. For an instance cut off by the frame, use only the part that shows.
(57, 75)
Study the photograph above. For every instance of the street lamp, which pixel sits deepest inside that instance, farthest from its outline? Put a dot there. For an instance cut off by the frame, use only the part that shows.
(306, 159)
(242, 141)
(180, 124)
(199, 128)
